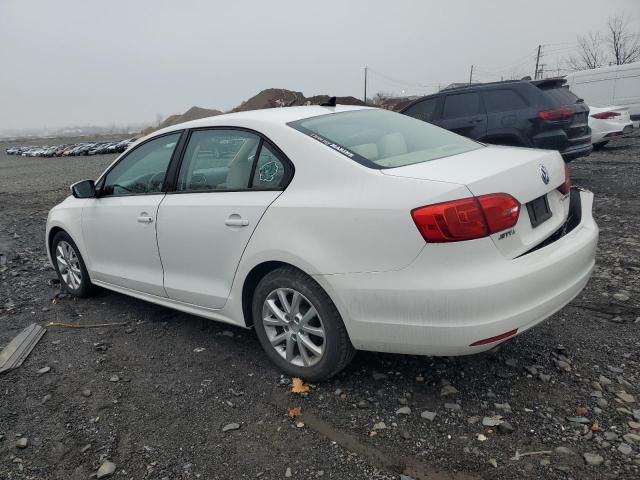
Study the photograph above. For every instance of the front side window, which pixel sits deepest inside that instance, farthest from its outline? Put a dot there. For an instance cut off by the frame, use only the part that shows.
(461, 105)
(424, 110)
(382, 139)
(218, 159)
(143, 170)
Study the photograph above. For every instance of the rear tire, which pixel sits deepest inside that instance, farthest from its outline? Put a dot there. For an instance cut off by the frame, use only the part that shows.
(70, 266)
(299, 327)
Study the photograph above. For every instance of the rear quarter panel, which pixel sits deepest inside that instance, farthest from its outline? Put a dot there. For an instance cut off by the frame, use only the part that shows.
(338, 216)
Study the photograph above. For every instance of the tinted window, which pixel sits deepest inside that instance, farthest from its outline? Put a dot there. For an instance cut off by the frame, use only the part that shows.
(270, 171)
(218, 160)
(560, 95)
(461, 105)
(502, 101)
(383, 139)
(424, 110)
(144, 169)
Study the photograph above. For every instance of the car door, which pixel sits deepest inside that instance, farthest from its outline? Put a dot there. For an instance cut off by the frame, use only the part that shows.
(507, 117)
(119, 226)
(464, 114)
(227, 180)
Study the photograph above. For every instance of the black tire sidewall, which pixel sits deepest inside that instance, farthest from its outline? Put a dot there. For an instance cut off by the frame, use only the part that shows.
(329, 364)
(85, 283)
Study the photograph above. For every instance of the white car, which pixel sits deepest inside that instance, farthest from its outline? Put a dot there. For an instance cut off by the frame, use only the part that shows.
(607, 123)
(331, 229)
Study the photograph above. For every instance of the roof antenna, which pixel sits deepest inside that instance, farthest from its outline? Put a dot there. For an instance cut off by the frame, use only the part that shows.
(329, 103)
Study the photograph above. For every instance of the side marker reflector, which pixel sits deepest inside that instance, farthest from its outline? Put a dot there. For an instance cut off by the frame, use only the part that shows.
(502, 336)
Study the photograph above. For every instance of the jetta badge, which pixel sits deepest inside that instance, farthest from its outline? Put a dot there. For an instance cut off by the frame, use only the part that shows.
(544, 174)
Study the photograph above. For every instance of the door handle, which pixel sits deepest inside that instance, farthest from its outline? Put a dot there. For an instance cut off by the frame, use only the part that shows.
(235, 220)
(145, 218)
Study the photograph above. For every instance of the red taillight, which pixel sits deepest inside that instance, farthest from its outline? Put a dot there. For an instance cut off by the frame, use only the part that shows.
(565, 187)
(562, 113)
(467, 218)
(605, 115)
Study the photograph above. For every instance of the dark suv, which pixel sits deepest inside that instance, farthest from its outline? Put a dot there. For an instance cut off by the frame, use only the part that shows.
(538, 114)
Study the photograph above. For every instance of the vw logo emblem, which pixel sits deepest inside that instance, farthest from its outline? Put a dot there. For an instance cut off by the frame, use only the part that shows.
(544, 174)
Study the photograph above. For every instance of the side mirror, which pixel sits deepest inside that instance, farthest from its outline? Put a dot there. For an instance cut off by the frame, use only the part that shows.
(84, 189)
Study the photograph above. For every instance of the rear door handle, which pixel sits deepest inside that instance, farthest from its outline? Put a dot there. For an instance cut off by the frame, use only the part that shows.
(145, 218)
(235, 220)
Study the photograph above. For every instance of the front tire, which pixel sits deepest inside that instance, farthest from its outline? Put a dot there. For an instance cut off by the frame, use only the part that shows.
(70, 266)
(299, 327)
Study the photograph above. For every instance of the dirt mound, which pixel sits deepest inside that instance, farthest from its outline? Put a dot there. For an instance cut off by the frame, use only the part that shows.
(281, 97)
(396, 103)
(193, 113)
(271, 98)
(317, 99)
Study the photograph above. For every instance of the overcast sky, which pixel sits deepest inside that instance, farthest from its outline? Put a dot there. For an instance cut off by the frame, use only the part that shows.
(79, 62)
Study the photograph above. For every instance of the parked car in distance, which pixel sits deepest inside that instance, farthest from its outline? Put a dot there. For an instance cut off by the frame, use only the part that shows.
(540, 114)
(330, 229)
(607, 123)
(613, 85)
(84, 148)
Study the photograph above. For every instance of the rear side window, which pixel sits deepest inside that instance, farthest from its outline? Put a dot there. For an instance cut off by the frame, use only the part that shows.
(461, 105)
(270, 171)
(502, 101)
(560, 95)
(382, 139)
(218, 159)
(424, 110)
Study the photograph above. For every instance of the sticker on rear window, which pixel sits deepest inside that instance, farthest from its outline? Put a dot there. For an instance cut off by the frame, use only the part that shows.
(329, 143)
(268, 172)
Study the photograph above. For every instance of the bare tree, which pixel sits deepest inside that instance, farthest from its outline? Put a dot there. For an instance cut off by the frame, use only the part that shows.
(591, 54)
(379, 98)
(624, 46)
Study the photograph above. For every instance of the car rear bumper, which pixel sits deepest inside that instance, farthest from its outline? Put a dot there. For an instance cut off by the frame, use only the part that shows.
(575, 151)
(451, 296)
(569, 148)
(610, 131)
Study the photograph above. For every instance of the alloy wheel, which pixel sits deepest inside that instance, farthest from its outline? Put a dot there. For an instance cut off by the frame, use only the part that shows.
(68, 265)
(294, 327)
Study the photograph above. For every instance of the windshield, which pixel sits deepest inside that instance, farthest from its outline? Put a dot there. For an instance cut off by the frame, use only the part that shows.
(383, 139)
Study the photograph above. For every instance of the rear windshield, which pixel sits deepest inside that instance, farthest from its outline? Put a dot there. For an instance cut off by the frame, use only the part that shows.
(383, 139)
(560, 95)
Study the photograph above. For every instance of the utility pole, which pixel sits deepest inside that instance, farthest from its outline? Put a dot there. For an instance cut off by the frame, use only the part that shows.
(535, 75)
(365, 85)
(471, 75)
(542, 70)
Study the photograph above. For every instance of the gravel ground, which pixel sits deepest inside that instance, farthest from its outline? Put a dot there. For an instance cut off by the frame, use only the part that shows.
(154, 396)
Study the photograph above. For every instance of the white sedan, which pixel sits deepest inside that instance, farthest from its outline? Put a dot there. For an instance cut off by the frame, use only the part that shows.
(608, 123)
(331, 229)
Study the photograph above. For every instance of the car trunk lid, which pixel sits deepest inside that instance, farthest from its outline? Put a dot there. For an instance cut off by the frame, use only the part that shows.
(518, 172)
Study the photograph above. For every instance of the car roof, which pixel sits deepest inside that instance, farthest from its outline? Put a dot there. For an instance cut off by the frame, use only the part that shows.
(276, 116)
